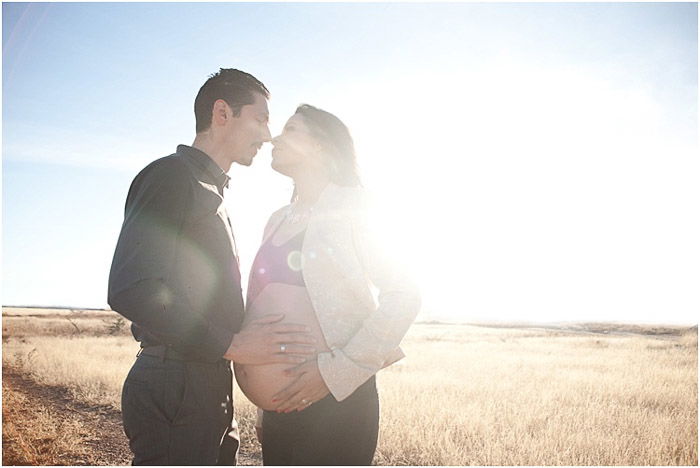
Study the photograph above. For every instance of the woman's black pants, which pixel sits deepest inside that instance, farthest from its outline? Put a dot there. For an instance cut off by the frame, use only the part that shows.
(326, 433)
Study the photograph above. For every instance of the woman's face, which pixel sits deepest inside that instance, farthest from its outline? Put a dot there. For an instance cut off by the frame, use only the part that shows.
(296, 151)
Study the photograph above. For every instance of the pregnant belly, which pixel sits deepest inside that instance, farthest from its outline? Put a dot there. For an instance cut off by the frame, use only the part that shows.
(260, 383)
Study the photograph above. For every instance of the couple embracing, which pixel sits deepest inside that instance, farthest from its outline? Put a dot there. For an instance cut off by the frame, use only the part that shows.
(308, 341)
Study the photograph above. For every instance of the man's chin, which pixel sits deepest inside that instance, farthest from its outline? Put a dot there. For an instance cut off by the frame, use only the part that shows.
(246, 160)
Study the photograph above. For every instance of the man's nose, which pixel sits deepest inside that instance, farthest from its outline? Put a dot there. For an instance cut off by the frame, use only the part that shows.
(267, 136)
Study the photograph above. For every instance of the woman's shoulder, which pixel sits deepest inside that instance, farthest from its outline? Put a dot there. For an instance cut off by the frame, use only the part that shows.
(280, 212)
(275, 218)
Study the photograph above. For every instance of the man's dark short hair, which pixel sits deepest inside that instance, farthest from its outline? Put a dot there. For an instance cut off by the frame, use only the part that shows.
(235, 87)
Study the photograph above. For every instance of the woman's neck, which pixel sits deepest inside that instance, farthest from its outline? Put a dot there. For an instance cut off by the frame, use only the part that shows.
(309, 188)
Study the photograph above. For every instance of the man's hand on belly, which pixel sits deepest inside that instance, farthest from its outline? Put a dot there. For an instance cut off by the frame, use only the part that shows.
(266, 341)
(308, 388)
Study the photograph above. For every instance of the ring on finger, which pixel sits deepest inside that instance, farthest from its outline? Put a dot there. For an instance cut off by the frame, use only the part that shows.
(283, 348)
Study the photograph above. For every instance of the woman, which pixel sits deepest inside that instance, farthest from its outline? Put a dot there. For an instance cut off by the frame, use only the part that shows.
(317, 266)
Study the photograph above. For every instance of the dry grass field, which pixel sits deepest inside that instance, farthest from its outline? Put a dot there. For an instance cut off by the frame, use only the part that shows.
(584, 394)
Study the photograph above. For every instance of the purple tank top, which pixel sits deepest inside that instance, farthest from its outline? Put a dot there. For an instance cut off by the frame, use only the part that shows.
(276, 264)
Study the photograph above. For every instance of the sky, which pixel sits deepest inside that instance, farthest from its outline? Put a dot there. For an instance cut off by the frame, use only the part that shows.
(529, 161)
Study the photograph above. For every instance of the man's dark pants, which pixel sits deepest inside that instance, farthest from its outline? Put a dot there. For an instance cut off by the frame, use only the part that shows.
(179, 412)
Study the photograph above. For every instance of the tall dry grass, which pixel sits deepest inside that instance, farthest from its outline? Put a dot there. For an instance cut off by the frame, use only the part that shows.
(474, 396)
(477, 397)
(92, 368)
(50, 439)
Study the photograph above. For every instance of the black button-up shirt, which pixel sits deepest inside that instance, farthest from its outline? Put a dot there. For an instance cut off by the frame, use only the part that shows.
(175, 273)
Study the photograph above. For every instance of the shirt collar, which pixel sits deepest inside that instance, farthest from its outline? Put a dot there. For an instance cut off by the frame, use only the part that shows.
(206, 163)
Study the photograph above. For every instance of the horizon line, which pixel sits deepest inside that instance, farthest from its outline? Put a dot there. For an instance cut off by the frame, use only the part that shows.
(427, 320)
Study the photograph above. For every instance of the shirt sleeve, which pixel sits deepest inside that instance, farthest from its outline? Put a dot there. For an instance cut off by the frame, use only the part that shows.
(376, 341)
(141, 284)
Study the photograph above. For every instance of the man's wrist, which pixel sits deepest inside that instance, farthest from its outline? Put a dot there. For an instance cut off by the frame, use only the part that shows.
(213, 342)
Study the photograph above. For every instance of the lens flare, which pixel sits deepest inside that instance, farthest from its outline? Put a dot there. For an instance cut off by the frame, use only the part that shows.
(294, 260)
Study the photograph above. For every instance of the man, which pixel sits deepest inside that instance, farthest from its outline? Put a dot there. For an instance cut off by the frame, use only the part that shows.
(175, 275)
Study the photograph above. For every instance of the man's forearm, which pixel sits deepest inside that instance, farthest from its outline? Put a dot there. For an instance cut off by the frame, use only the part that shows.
(171, 319)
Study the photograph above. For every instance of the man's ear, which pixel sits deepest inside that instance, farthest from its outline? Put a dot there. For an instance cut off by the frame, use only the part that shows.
(220, 113)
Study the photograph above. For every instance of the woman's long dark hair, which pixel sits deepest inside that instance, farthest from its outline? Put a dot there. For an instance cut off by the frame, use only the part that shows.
(336, 142)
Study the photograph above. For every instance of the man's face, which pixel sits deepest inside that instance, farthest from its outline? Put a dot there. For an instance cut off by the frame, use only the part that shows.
(245, 134)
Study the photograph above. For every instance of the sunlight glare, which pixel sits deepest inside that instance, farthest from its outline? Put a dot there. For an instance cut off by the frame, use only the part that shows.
(523, 192)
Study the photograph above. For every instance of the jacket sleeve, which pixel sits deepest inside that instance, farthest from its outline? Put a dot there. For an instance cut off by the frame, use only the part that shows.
(371, 347)
(141, 285)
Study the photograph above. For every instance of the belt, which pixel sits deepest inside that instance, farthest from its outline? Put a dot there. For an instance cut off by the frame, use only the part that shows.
(167, 352)
(163, 352)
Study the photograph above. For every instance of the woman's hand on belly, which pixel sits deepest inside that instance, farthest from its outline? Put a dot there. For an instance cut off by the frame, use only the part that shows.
(261, 383)
(307, 387)
(268, 341)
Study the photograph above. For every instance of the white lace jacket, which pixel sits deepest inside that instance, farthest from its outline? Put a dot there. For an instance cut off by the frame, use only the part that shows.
(341, 264)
